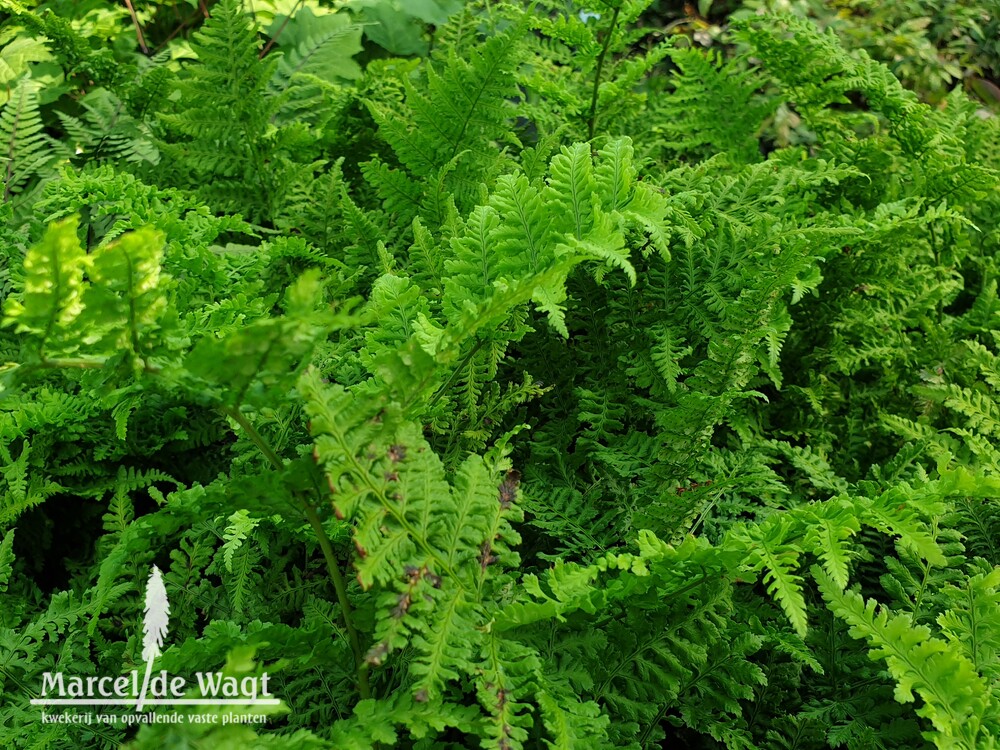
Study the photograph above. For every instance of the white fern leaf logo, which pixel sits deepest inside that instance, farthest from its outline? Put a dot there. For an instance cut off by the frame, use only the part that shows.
(154, 626)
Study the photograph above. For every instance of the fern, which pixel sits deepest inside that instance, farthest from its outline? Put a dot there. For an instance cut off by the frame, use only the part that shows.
(107, 131)
(704, 84)
(221, 144)
(955, 699)
(28, 152)
(447, 135)
(569, 382)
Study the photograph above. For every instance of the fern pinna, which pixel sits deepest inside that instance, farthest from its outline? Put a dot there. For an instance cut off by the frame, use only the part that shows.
(502, 396)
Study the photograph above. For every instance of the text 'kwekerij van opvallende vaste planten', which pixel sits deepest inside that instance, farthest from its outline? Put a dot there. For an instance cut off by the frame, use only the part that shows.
(434, 375)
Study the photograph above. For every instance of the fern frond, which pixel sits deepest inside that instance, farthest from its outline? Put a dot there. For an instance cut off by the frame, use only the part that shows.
(107, 131)
(54, 288)
(27, 152)
(957, 701)
(973, 620)
(463, 110)
(703, 84)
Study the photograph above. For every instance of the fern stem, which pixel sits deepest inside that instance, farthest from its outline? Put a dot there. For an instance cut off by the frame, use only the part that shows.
(655, 722)
(592, 123)
(132, 313)
(468, 358)
(339, 585)
(138, 28)
(255, 437)
(273, 40)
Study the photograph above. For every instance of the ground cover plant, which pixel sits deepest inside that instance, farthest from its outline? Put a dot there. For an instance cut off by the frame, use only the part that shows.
(496, 375)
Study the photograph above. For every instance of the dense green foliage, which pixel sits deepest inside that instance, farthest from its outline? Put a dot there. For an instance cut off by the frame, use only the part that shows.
(500, 376)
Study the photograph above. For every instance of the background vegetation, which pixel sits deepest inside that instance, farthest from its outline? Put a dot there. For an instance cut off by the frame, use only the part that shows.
(503, 375)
